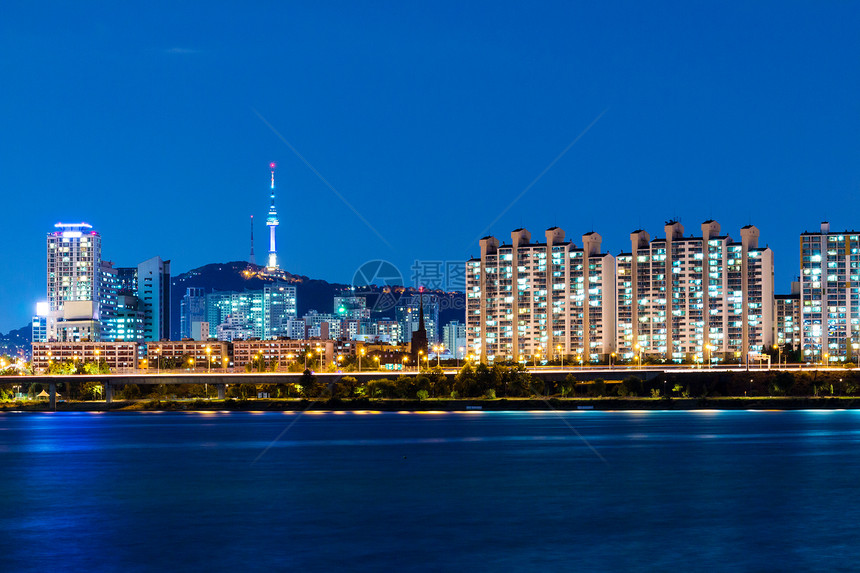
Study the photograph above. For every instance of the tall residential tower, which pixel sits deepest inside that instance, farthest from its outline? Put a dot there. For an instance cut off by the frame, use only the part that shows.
(830, 294)
(540, 300)
(74, 260)
(700, 298)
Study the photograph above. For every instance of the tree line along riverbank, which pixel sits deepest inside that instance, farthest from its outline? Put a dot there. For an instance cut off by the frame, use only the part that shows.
(447, 405)
(496, 387)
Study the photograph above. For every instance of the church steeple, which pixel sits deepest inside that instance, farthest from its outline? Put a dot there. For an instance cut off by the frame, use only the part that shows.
(418, 346)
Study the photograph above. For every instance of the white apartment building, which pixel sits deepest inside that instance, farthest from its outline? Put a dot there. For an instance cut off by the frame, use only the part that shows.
(694, 298)
(540, 300)
(829, 295)
(74, 259)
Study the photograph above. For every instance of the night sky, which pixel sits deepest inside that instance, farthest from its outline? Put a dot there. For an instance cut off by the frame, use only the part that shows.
(156, 124)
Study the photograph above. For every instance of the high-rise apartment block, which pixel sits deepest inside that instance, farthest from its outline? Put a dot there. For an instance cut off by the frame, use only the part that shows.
(677, 298)
(829, 294)
(694, 298)
(153, 290)
(108, 293)
(74, 260)
(543, 299)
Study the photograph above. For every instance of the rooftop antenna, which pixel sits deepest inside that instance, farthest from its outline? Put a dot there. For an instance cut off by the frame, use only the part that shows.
(251, 259)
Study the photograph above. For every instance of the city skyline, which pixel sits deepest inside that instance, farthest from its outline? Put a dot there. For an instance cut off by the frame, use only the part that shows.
(445, 122)
(778, 289)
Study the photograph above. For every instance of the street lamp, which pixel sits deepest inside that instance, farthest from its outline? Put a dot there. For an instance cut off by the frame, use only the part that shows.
(360, 354)
(826, 359)
(158, 360)
(561, 356)
(405, 359)
(637, 355)
(611, 360)
(191, 363)
(778, 349)
(418, 362)
(710, 356)
(208, 360)
(460, 353)
(308, 353)
(376, 358)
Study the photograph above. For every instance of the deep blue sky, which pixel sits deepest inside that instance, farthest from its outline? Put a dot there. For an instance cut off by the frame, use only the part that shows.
(429, 118)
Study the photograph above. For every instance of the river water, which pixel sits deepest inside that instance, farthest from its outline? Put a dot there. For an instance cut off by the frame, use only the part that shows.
(589, 491)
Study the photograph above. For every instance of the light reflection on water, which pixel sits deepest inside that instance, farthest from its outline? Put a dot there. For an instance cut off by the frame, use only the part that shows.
(430, 491)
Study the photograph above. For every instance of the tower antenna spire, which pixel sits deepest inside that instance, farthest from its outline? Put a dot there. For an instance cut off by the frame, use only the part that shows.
(252, 260)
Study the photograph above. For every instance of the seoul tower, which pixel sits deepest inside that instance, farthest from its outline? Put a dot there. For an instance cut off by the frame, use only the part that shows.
(272, 223)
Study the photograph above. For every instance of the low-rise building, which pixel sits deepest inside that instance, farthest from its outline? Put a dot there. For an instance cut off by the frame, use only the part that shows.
(117, 355)
(282, 352)
(195, 354)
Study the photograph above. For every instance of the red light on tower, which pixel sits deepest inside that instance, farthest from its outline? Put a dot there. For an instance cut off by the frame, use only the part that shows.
(272, 165)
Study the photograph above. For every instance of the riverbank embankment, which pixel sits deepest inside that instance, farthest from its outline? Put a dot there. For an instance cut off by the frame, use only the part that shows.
(450, 405)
